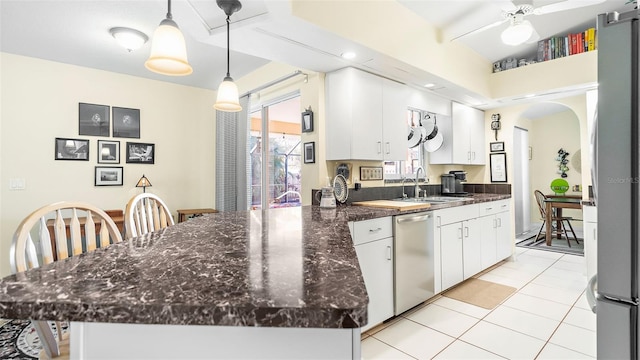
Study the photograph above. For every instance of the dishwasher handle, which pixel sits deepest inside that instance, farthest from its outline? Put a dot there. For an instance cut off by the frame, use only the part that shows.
(413, 219)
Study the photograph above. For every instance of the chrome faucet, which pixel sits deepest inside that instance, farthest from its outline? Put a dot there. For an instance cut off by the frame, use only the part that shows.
(404, 195)
(417, 188)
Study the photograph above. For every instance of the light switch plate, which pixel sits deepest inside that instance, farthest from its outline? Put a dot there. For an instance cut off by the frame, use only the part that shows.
(17, 184)
(370, 173)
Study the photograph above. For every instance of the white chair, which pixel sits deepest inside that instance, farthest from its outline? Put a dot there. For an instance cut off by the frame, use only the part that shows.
(85, 226)
(146, 213)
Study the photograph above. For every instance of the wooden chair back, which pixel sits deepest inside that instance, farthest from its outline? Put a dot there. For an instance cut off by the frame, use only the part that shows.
(86, 225)
(540, 197)
(85, 229)
(146, 213)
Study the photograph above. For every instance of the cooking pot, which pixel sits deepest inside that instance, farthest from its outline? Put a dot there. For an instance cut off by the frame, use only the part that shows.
(430, 125)
(434, 144)
(415, 134)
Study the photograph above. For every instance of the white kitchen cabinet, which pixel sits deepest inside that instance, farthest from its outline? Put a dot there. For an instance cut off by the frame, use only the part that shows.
(373, 240)
(459, 244)
(590, 228)
(451, 255)
(471, 248)
(366, 116)
(495, 232)
(464, 140)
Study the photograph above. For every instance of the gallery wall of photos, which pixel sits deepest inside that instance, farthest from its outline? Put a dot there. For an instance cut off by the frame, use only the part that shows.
(108, 122)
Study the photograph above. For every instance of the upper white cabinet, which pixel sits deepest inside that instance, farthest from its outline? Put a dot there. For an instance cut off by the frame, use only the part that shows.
(366, 116)
(463, 134)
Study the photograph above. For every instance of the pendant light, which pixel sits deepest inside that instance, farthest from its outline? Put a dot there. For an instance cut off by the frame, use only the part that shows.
(228, 99)
(168, 51)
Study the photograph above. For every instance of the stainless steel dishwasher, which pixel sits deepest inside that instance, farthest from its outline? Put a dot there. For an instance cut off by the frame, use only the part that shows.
(414, 280)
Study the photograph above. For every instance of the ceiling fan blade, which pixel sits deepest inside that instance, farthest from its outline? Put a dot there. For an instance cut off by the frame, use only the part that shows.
(565, 5)
(486, 27)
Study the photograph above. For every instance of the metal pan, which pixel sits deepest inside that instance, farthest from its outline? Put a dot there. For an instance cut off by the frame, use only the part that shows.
(429, 123)
(414, 138)
(434, 144)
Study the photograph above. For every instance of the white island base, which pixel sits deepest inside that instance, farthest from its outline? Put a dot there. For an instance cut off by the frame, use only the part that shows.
(141, 341)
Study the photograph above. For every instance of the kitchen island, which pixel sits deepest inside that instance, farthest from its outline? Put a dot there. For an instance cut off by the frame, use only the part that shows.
(286, 281)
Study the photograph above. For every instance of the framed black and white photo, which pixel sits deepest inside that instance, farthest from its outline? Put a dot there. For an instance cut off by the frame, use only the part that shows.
(496, 146)
(126, 123)
(309, 152)
(72, 149)
(93, 119)
(108, 152)
(140, 153)
(307, 121)
(498, 166)
(108, 176)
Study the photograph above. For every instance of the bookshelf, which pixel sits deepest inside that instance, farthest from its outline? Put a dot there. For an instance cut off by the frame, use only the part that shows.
(553, 48)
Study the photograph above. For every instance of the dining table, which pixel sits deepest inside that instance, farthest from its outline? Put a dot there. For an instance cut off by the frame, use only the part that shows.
(558, 202)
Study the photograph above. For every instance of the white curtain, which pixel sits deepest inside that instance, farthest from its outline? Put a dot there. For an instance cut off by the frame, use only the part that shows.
(232, 159)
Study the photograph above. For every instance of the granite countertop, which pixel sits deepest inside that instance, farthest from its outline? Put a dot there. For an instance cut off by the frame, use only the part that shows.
(290, 267)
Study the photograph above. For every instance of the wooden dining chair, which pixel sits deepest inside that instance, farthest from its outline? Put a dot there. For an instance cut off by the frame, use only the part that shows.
(61, 230)
(540, 199)
(145, 213)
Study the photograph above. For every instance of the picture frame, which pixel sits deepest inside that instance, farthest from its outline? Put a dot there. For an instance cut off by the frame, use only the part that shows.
(309, 155)
(496, 146)
(126, 122)
(71, 149)
(108, 152)
(109, 175)
(93, 120)
(307, 121)
(140, 153)
(498, 165)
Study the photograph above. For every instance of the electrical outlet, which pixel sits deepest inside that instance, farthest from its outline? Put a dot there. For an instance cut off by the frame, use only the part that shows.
(370, 173)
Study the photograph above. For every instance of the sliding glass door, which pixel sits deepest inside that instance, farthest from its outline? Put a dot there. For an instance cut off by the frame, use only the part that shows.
(275, 170)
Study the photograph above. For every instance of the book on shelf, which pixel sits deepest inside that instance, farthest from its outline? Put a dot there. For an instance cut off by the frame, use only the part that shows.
(570, 44)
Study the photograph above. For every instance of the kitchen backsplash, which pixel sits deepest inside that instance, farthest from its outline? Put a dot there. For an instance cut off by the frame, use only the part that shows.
(394, 192)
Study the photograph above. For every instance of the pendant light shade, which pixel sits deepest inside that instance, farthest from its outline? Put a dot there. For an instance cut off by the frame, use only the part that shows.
(168, 50)
(228, 99)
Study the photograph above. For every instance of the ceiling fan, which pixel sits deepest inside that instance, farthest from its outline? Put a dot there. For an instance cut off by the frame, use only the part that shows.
(521, 30)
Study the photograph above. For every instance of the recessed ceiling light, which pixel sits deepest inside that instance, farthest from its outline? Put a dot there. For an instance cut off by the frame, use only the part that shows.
(429, 85)
(529, 95)
(130, 39)
(348, 55)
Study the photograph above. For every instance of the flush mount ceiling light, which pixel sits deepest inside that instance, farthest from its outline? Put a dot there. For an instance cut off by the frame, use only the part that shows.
(228, 99)
(348, 55)
(130, 39)
(518, 32)
(168, 51)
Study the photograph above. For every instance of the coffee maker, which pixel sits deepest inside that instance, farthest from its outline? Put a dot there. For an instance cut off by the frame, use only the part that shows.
(460, 178)
(452, 183)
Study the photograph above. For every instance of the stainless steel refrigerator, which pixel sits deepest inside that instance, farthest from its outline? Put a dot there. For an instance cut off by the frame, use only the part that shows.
(617, 188)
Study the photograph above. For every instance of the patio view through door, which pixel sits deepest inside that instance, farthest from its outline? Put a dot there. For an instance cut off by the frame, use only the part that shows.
(278, 184)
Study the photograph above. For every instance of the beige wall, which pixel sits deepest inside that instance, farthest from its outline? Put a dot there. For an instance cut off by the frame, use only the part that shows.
(546, 136)
(40, 102)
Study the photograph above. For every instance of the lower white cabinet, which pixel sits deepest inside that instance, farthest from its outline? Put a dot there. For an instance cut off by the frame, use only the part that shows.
(451, 255)
(373, 240)
(495, 232)
(471, 248)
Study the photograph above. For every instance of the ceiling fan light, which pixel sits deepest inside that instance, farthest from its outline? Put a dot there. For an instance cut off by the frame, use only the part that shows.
(517, 33)
(130, 39)
(168, 51)
(228, 99)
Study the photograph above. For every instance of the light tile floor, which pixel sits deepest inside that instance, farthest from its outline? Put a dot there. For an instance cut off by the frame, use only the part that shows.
(547, 318)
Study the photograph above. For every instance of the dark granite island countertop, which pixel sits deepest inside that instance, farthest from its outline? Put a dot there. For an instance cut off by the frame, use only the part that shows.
(293, 267)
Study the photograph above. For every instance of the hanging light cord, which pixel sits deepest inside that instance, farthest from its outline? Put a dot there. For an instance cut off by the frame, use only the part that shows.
(169, 11)
(228, 50)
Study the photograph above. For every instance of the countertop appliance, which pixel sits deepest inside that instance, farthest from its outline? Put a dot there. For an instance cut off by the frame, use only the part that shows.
(451, 184)
(414, 260)
(616, 187)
